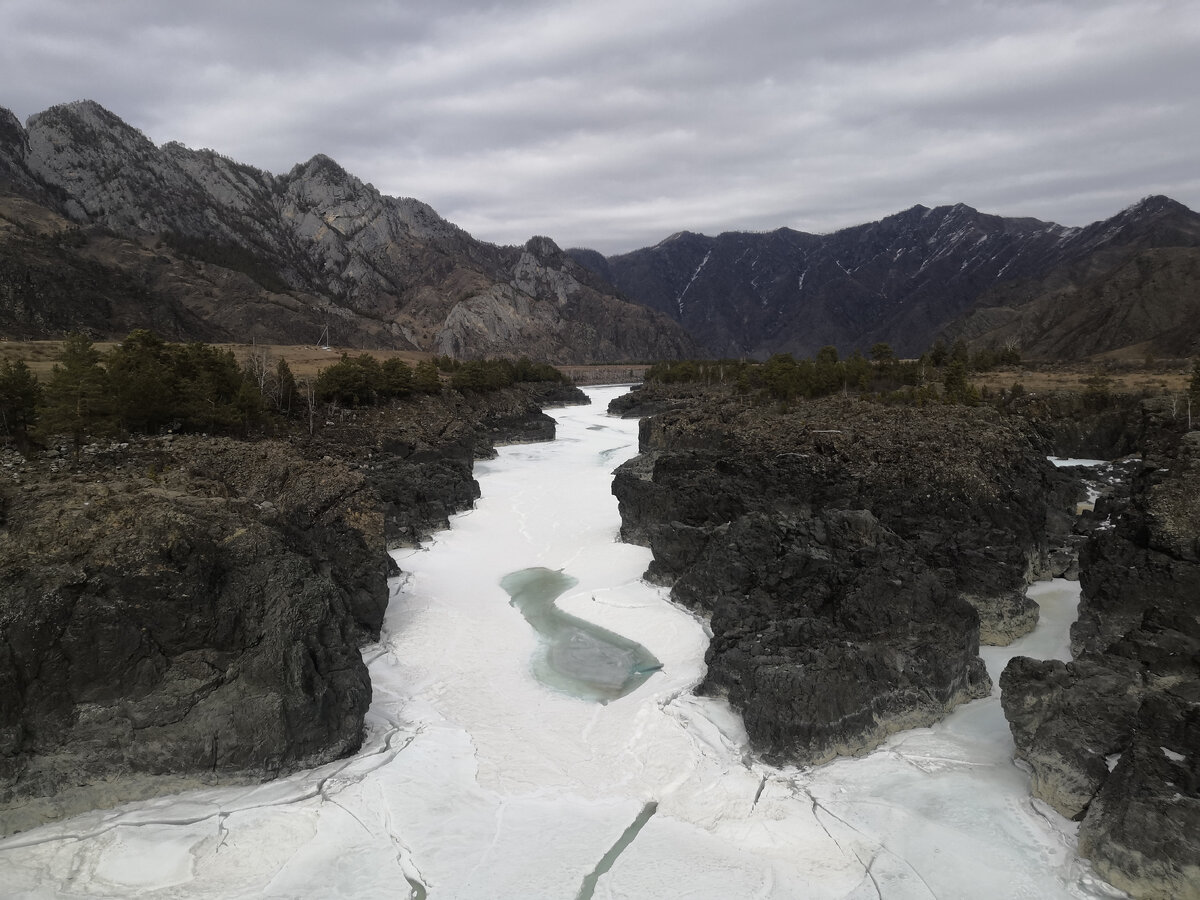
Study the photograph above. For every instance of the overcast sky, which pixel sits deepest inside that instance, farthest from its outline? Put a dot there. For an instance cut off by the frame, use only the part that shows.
(614, 123)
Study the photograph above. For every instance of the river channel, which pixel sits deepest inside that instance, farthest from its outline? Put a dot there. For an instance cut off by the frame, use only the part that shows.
(558, 751)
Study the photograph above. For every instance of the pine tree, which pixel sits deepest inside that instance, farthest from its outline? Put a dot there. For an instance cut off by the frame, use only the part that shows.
(425, 378)
(956, 387)
(142, 382)
(77, 395)
(397, 378)
(286, 392)
(20, 394)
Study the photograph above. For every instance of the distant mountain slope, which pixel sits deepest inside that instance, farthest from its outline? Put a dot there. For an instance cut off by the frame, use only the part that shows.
(1136, 296)
(1149, 304)
(208, 247)
(904, 280)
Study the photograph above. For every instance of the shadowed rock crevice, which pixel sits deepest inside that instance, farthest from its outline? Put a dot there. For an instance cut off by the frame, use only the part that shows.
(1112, 737)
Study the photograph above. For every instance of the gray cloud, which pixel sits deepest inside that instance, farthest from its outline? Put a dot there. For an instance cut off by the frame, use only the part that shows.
(615, 124)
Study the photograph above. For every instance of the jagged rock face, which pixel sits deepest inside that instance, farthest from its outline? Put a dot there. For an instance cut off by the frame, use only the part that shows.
(14, 148)
(903, 280)
(202, 621)
(1142, 829)
(1046, 701)
(1071, 425)
(319, 247)
(108, 172)
(1112, 737)
(838, 574)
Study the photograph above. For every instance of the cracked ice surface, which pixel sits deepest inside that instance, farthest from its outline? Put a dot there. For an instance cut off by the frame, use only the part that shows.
(477, 781)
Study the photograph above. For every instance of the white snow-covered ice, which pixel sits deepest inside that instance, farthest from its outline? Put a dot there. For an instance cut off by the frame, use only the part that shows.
(1063, 461)
(479, 781)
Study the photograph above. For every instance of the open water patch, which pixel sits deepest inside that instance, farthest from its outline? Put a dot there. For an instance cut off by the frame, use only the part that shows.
(576, 656)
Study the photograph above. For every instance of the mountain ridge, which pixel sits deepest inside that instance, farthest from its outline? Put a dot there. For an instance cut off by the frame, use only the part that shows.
(204, 247)
(906, 279)
(327, 248)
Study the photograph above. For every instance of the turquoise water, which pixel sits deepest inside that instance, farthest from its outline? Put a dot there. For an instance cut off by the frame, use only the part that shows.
(576, 656)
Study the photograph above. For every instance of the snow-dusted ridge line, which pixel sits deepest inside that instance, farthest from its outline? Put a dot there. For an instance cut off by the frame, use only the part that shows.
(691, 281)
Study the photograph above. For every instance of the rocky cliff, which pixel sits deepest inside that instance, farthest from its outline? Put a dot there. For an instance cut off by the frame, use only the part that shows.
(1113, 737)
(846, 551)
(182, 610)
(1052, 291)
(207, 248)
(187, 607)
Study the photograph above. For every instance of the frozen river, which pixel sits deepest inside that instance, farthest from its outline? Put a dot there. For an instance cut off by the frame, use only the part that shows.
(485, 777)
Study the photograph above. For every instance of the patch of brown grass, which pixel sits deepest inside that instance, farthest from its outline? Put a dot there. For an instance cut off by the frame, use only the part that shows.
(1130, 378)
(40, 356)
(309, 360)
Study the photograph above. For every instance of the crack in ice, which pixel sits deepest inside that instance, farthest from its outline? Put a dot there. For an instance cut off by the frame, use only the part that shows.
(878, 846)
(588, 888)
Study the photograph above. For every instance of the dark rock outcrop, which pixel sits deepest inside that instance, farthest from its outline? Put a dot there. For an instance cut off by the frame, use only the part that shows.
(420, 461)
(1113, 737)
(1073, 424)
(195, 613)
(842, 548)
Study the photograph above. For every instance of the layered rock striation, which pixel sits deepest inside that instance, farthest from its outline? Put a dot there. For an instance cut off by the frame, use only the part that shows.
(183, 610)
(845, 551)
(1113, 737)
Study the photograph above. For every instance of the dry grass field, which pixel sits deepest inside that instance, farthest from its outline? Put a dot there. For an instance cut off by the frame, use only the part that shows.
(1156, 377)
(306, 361)
(303, 360)
(1133, 378)
(309, 360)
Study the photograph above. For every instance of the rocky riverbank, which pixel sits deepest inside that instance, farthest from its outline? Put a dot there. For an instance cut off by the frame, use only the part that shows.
(1113, 737)
(846, 551)
(181, 610)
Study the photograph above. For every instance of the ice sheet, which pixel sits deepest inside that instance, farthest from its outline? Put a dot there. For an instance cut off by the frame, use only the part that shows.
(1062, 461)
(478, 781)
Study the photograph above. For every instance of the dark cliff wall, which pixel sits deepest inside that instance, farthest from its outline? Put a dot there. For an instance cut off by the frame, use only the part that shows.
(189, 607)
(1113, 737)
(845, 550)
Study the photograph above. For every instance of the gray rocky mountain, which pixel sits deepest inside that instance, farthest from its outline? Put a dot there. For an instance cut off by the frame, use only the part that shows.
(211, 248)
(912, 276)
